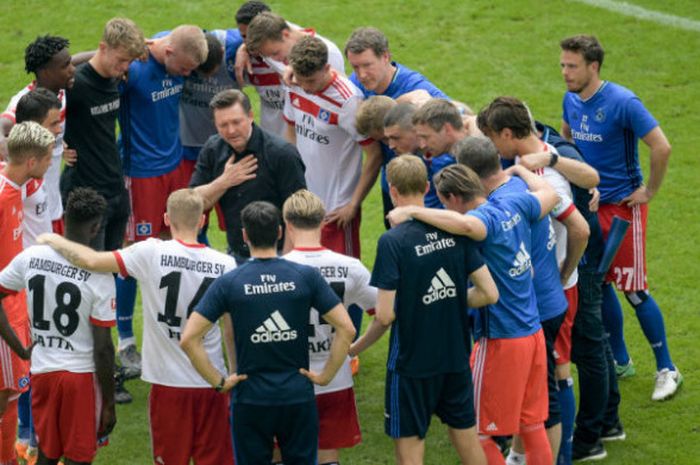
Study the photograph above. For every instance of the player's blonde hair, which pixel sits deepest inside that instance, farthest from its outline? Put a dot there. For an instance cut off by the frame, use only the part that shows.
(124, 33)
(407, 173)
(29, 140)
(304, 210)
(191, 41)
(369, 118)
(460, 181)
(185, 208)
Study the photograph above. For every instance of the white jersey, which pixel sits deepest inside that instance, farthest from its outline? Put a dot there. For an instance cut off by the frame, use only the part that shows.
(53, 174)
(350, 280)
(173, 277)
(63, 302)
(36, 214)
(327, 139)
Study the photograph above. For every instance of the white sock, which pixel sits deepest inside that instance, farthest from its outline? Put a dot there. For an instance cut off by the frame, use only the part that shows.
(515, 458)
(126, 342)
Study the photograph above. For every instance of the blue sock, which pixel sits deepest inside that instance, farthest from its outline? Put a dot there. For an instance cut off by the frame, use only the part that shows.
(568, 415)
(355, 313)
(126, 300)
(24, 416)
(652, 323)
(613, 322)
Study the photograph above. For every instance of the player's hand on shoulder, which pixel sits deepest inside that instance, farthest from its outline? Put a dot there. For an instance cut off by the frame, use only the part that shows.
(315, 377)
(70, 156)
(242, 64)
(535, 161)
(638, 197)
(47, 238)
(399, 215)
(232, 380)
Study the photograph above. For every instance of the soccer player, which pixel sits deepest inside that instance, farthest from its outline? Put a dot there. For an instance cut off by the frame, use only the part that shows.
(269, 300)
(339, 425)
(186, 416)
(50, 60)
(29, 148)
(374, 73)
(320, 111)
(151, 151)
(72, 362)
(422, 275)
(244, 163)
(509, 360)
(605, 120)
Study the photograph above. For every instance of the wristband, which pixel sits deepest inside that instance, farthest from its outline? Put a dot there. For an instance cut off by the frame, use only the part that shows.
(553, 159)
(219, 387)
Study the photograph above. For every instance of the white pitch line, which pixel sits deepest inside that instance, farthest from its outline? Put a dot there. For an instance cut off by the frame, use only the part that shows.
(628, 9)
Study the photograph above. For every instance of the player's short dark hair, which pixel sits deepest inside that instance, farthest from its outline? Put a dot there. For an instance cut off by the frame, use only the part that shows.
(215, 54)
(459, 181)
(437, 112)
(506, 113)
(479, 154)
(35, 105)
(250, 10)
(364, 38)
(84, 205)
(261, 220)
(228, 98)
(400, 115)
(42, 50)
(587, 46)
(308, 56)
(265, 26)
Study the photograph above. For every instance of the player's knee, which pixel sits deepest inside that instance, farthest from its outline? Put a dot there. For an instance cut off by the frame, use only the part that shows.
(636, 298)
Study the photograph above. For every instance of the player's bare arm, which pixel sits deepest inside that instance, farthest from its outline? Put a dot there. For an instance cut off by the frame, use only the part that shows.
(81, 255)
(243, 65)
(576, 172)
(290, 134)
(192, 343)
(484, 292)
(547, 197)
(339, 319)
(229, 346)
(9, 336)
(566, 131)
(659, 153)
(235, 173)
(577, 234)
(376, 328)
(370, 170)
(104, 371)
(384, 311)
(447, 220)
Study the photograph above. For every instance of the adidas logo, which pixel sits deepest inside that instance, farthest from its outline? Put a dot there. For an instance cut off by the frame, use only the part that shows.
(492, 427)
(522, 262)
(441, 287)
(274, 329)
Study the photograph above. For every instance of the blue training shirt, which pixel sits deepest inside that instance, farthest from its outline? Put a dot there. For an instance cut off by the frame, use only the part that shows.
(507, 252)
(607, 128)
(270, 301)
(149, 142)
(434, 165)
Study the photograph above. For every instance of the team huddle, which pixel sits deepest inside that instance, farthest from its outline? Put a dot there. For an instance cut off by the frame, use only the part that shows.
(506, 242)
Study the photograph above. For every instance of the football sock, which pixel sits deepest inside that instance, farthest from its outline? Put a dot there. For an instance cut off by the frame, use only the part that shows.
(492, 451)
(537, 450)
(24, 414)
(652, 322)
(126, 300)
(567, 400)
(515, 458)
(355, 313)
(8, 433)
(613, 321)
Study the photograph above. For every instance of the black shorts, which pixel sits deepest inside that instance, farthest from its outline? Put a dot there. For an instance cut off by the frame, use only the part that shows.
(410, 402)
(551, 330)
(255, 428)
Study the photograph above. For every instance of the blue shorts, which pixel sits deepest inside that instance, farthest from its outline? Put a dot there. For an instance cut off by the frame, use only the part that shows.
(410, 402)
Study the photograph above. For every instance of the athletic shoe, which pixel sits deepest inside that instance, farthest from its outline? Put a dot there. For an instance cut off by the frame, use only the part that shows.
(667, 383)
(121, 395)
(588, 454)
(355, 365)
(21, 450)
(616, 433)
(32, 455)
(130, 359)
(625, 371)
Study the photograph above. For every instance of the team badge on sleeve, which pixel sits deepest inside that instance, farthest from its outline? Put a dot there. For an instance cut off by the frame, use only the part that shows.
(143, 229)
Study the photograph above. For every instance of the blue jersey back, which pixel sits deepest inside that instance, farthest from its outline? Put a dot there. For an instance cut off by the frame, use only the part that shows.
(269, 301)
(551, 300)
(607, 128)
(507, 252)
(428, 268)
(434, 165)
(149, 119)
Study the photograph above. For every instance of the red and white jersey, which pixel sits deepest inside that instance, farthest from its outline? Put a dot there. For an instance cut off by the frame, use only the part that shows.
(11, 234)
(327, 139)
(173, 276)
(53, 175)
(36, 214)
(63, 301)
(350, 280)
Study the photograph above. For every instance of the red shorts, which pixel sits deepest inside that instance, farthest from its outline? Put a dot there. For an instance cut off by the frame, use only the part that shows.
(190, 423)
(58, 226)
(342, 240)
(148, 197)
(339, 426)
(629, 267)
(65, 407)
(510, 383)
(562, 345)
(15, 371)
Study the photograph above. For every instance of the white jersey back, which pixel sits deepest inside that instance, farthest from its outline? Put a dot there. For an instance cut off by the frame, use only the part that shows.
(350, 280)
(327, 139)
(173, 277)
(64, 301)
(37, 219)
